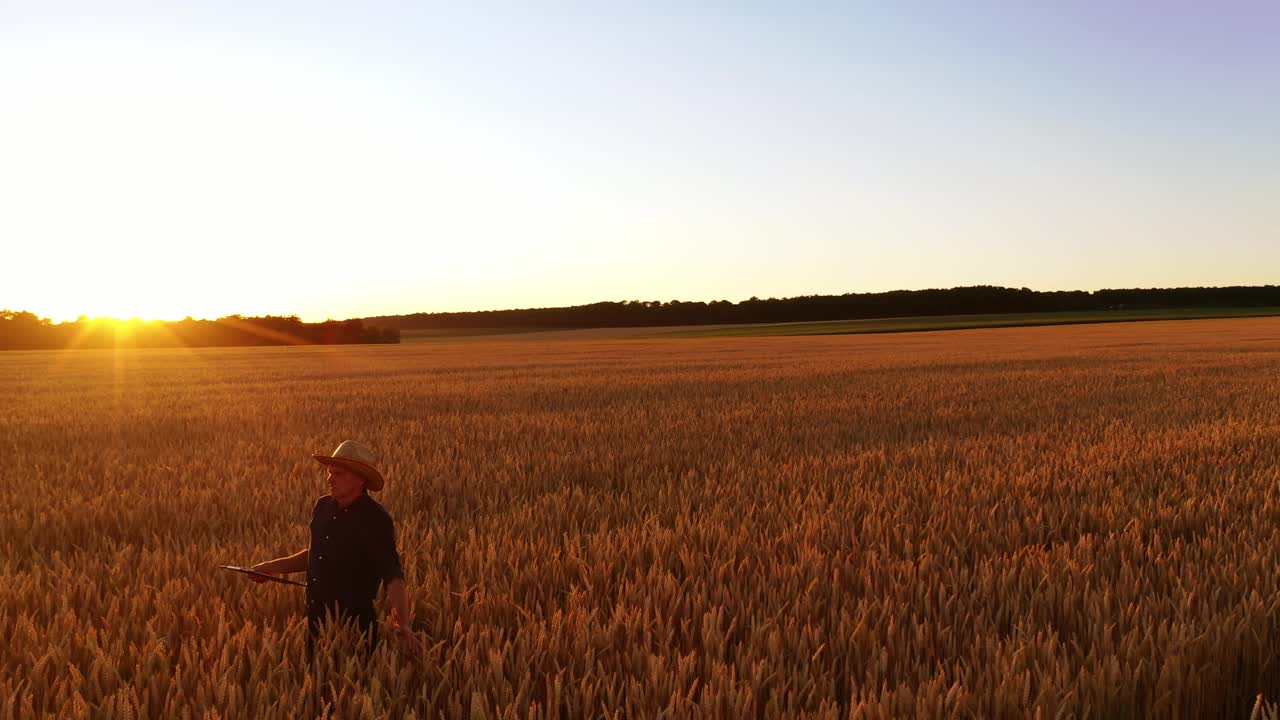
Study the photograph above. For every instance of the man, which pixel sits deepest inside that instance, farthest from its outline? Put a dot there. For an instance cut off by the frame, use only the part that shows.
(352, 551)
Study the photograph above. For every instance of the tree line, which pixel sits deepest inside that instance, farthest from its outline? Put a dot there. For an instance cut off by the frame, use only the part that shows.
(975, 300)
(21, 330)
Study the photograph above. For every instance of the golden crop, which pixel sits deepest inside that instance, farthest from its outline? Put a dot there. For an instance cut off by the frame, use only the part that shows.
(1064, 522)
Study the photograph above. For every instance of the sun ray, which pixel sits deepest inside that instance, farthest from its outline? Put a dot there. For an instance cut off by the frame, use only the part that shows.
(262, 332)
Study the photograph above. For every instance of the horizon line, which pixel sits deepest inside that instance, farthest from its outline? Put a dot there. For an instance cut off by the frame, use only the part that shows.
(85, 317)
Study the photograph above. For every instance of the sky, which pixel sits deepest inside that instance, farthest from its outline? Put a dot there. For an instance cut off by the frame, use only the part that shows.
(336, 160)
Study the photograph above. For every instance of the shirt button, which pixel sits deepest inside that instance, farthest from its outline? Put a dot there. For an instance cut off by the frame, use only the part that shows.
(319, 557)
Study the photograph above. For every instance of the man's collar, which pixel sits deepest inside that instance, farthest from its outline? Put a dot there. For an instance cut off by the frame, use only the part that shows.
(357, 501)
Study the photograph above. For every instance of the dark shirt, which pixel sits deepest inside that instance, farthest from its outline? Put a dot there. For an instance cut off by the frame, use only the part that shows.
(353, 550)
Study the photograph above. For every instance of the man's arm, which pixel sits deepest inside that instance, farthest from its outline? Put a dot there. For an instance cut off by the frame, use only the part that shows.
(401, 620)
(399, 598)
(294, 563)
(382, 545)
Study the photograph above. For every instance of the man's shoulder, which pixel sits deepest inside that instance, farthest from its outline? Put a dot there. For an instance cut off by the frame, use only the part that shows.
(374, 508)
(324, 503)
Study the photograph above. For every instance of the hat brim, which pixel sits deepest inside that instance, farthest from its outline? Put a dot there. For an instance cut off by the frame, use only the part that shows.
(372, 478)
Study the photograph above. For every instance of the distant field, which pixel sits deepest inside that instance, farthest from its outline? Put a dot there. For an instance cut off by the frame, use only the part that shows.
(483, 335)
(965, 322)
(419, 334)
(838, 327)
(1031, 522)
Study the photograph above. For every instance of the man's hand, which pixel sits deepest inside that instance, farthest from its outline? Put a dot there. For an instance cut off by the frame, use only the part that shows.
(296, 562)
(408, 640)
(269, 568)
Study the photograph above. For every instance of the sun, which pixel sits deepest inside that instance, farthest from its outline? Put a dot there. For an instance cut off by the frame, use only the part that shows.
(148, 283)
(125, 309)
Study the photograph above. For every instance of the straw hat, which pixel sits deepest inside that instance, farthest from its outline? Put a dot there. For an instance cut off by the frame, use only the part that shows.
(357, 458)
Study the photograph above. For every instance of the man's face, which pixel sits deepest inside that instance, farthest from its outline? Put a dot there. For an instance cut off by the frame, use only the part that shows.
(344, 483)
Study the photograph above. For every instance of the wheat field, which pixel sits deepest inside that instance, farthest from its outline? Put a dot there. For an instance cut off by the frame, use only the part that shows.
(1041, 522)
